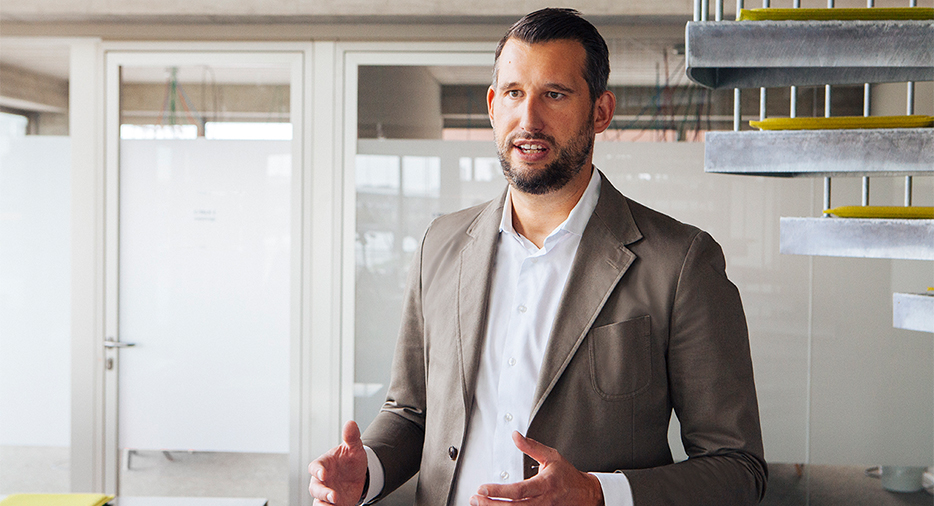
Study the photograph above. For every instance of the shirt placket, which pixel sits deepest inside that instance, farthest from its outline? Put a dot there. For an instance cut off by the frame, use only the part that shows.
(518, 377)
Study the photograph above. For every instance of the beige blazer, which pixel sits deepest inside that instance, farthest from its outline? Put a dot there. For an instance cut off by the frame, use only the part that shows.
(648, 323)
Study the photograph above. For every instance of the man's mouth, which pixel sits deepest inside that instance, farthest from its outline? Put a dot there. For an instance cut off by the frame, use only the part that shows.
(530, 148)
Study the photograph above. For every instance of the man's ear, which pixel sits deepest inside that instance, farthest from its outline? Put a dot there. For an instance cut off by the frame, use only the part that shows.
(603, 110)
(490, 94)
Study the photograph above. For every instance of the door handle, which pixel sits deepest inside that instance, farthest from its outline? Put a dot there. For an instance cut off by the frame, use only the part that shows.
(110, 343)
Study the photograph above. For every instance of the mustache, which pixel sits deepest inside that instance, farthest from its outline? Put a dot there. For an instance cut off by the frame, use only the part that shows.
(512, 139)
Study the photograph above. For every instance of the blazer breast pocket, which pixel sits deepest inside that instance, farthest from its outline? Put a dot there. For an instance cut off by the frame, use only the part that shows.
(621, 358)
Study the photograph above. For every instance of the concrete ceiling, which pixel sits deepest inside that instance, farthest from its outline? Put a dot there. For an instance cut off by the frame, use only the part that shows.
(644, 35)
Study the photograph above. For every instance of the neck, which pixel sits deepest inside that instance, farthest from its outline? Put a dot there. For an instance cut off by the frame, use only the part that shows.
(537, 216)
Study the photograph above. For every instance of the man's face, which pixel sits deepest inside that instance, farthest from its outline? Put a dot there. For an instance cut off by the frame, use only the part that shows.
(542, 115)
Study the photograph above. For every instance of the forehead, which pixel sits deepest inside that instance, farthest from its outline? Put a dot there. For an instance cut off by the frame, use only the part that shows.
(561, 61)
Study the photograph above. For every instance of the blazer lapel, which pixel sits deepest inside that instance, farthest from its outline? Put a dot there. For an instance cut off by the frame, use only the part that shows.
(475, 274)
(602, 259)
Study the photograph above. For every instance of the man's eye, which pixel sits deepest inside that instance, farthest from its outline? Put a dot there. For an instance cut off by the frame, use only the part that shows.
(512, 93)
(555, 95)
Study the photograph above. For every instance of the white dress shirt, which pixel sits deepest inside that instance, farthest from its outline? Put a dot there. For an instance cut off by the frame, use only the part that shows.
(526, 290)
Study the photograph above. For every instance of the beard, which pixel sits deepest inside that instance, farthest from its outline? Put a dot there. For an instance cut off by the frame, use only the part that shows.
(568, 163)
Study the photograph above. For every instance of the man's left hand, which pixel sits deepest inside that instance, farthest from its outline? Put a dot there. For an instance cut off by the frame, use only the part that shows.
(557, 481)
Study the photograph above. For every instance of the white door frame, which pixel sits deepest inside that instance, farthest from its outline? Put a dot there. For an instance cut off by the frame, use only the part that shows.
(298, 59)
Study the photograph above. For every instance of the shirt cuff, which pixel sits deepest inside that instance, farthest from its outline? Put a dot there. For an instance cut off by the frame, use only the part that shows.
(375, 467)
(616, 489)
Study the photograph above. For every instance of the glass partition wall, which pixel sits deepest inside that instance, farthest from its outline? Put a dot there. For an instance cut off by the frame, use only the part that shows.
(407, 171)
(35, 268)
(422, 146)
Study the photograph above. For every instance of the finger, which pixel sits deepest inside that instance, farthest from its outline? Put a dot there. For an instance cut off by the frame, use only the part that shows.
(320, 492)
(351, 435)
(525, 489)
(316, 470)
(541, 453)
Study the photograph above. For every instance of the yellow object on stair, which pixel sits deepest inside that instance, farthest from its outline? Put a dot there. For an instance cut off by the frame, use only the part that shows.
(842, 14)
(56, 500)
(844, 122)
(889, 212)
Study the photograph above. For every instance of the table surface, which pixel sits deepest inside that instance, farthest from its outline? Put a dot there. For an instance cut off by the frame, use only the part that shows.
(187, 501)
(183, 501)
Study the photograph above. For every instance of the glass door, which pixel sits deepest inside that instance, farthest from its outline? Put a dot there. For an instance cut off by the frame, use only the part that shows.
(203, 176)
(420, 145)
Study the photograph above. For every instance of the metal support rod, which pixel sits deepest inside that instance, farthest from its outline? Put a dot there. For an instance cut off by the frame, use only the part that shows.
(697, 9)
(705, 10)
(718, 11)
(907, 191)
(761, 104)
(910, 109)
(736, 110)
(827, 182)
(736, 98)
(793, 106)
(765, 5)
(865, 190)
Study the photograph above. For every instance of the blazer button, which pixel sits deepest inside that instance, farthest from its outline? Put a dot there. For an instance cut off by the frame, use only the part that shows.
(452, 452)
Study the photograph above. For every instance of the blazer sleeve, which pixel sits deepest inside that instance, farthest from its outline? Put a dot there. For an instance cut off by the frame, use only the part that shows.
(712, 391)
(397, 433)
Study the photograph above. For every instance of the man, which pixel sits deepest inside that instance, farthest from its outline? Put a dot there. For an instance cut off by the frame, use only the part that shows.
(565, 312)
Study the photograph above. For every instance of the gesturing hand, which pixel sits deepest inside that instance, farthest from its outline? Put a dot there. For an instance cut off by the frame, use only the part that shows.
(557, 481)
(338, 476)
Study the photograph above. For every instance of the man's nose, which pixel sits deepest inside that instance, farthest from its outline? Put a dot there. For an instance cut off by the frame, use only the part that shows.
(531, 119)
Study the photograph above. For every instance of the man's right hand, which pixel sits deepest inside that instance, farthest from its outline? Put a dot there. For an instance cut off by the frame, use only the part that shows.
(338, 476)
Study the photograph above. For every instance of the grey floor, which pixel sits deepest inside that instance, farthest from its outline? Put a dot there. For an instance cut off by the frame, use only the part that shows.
(200, 474)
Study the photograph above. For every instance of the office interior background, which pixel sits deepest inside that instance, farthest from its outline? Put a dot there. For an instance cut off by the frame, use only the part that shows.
(236, 188)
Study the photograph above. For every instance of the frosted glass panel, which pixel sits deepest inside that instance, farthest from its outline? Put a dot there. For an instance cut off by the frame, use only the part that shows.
(35, 326)
(204, 294)
(741, 213)
(401, 186)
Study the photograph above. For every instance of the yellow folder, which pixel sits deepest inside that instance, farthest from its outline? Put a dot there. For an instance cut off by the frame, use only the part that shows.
(844, 122)
(56, 500)
(841, 14)
(882, 212)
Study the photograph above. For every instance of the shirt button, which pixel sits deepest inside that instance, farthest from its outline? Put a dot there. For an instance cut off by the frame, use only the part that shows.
(504, 475)
(522, 308)
(508, 417)
(512, 361)
(452, 452)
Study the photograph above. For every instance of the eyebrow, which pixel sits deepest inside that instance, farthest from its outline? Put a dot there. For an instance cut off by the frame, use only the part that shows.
(556, 86)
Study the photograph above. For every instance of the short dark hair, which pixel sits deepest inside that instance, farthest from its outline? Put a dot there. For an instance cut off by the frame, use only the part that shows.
(564, 24)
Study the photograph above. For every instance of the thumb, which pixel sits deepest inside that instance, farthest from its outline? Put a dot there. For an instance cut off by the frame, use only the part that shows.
(351, 435)
(541, 453)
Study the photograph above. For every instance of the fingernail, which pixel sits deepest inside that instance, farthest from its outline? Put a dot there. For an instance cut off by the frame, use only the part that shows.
(331, 498)
(474, 501)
